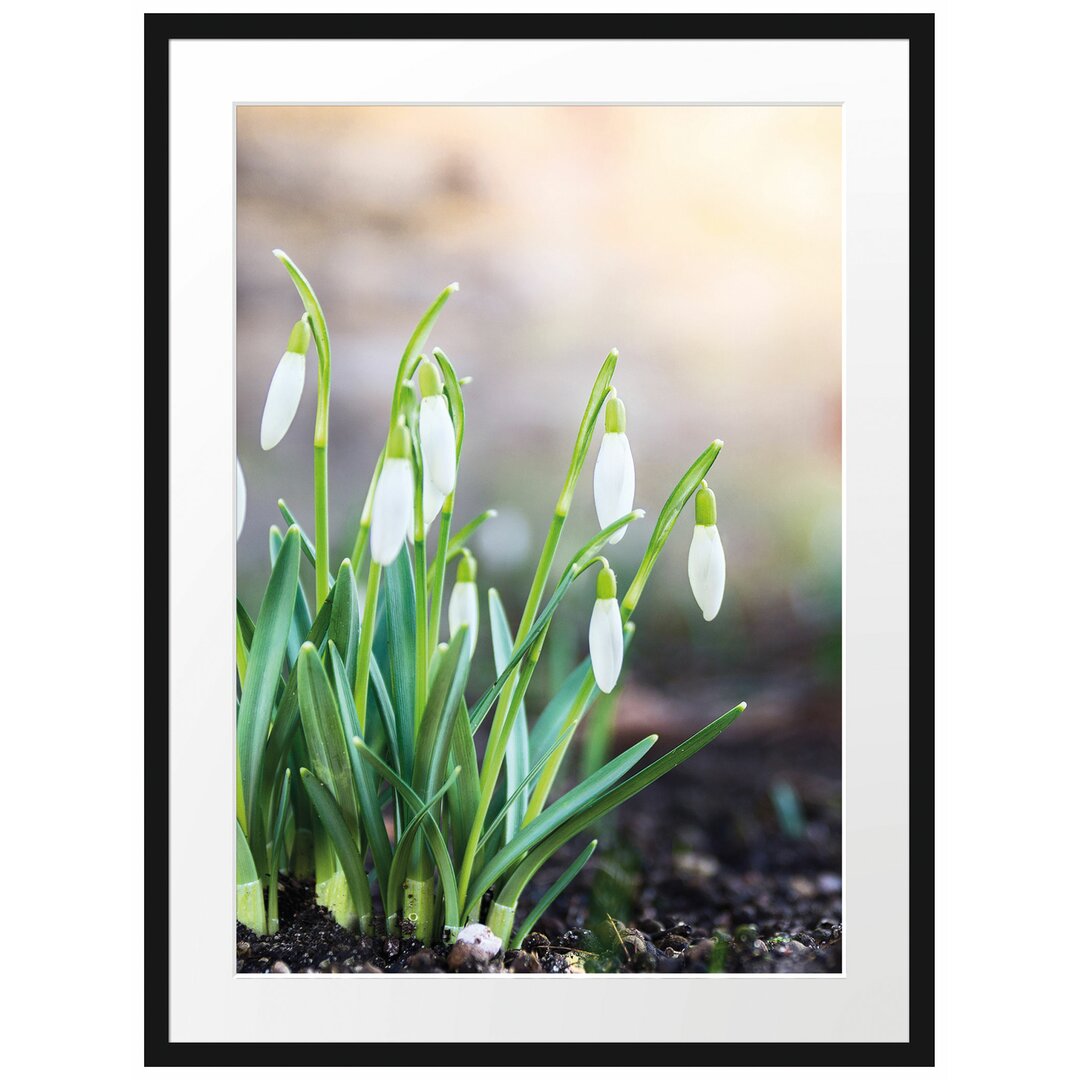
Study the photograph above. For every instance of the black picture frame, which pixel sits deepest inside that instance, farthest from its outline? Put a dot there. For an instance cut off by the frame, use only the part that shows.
(918, 30)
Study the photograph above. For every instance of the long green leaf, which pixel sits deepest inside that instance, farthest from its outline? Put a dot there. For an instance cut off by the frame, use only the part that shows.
(381, 696)
(399, 866)
(480, 709)
(434, 746)
(287, 713)
(588, 791)
(431, 827)
(267, 654)
(326, 737)
(416, 344)
(250, 903)
(344, 629)
(307, 546)
(367, 787)
(401, 643)
(523, 787)
(244, 622)
(516, 761)
(587, 815)
(344, 844)
(301, 617)
(551, 895)
(464, 796)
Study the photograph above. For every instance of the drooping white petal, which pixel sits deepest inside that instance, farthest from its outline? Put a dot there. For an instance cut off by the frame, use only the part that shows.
(605, 644)
(438, 446)
(465, 611)
(707, 570)
(391, 510)
(613, 481)
(433, 501)
(241, 499)
(282, 399)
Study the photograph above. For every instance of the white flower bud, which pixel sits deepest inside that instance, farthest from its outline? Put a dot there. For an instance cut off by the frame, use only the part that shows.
(392, 507)
(286, 388)
(706, 566)
(438, 442)
(433, 501)
(606, 633)
(613, 477)
(464, 601)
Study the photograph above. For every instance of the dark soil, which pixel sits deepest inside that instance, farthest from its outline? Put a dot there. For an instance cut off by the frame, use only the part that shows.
(730, 864)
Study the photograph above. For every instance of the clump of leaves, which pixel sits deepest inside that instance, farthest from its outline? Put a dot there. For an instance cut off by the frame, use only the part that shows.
(358, 755)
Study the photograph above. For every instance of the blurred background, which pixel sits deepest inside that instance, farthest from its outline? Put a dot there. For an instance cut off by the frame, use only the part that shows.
(703, 242)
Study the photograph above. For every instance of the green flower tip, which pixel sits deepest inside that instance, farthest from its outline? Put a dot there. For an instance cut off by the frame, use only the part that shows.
(304, 772)
(308, 647)
(718, 443)
(466, 567)
(300, 337)
(605, 584)
(429, 379)
(615, 414)
(399, 444)
(408, 399)
(705, 506)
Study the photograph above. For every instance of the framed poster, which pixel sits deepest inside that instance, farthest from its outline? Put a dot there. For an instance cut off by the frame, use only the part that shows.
(636, 744)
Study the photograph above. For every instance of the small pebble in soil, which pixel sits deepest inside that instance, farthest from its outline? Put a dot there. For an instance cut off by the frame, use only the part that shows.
(481, 939)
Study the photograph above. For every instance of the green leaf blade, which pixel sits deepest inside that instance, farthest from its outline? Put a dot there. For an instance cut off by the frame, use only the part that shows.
(265, 659)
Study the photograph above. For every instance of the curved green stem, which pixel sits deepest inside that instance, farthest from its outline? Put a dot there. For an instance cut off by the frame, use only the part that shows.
(363, 651)
(438, 575)
(319, 332)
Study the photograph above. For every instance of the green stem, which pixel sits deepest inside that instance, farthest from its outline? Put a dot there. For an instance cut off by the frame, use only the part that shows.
(439, 577)
(547, 777)
(500, 727)
(684, 489)
(322, 527)
(497, 741)
(272, 903)
(420, 557)
(363, 652)
(365, 514)
(418, 906)
(500, 921)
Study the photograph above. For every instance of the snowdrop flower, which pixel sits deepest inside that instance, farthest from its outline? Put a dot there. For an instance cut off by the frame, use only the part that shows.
(613, 478)
(433, 501)
(706, 565)
(241, 499)
(392, 508)
(286, 387)
(438, 442)
(606, 633)
(464, 603)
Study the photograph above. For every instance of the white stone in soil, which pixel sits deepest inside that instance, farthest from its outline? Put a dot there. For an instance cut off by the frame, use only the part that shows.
(480, 938)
